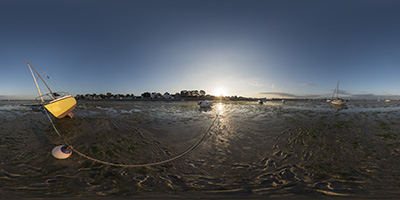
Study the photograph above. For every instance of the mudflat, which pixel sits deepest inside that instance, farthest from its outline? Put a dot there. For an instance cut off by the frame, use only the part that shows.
(300, 149)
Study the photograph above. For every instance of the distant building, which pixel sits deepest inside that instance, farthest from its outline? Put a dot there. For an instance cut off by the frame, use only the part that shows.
(153, 95)
(177, 95)
(167, 96)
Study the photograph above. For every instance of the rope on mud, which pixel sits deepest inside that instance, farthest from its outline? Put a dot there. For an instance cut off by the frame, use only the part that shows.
(132, 165)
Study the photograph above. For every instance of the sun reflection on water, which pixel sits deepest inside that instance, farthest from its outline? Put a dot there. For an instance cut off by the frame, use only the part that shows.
(220, 108)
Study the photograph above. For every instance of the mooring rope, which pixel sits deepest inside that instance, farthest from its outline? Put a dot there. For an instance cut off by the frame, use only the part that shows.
(54, 126)
(131, 165)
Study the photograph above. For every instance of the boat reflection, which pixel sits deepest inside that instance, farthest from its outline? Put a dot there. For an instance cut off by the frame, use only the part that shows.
(339, 106)
(207, 109)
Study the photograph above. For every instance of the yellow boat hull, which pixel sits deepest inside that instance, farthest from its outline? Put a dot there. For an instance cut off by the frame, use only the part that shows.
(62, 107)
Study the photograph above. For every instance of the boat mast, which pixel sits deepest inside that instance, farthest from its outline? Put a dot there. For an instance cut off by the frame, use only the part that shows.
(337, 92)
(333, 94)
(51, 92)
(37, 86)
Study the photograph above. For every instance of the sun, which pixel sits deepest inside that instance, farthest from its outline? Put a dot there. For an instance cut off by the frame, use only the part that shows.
(220, 92)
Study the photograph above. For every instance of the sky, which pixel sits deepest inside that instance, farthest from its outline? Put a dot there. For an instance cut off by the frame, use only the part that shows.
(252, 48)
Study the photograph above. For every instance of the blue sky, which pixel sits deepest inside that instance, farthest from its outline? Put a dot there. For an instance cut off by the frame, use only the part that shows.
(266, 48)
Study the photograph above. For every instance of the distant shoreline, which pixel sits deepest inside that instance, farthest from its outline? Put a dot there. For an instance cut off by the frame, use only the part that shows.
(197, 99)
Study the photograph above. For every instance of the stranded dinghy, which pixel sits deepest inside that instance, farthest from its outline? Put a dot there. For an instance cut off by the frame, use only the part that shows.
(61, 104)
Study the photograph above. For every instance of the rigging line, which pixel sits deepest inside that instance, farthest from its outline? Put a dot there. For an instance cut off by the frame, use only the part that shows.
(133, 165)
(40, 77)
(54, 126)
(53, 80)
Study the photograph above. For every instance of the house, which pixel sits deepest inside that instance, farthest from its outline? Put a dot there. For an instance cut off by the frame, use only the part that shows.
(153, 95)
(167, 96)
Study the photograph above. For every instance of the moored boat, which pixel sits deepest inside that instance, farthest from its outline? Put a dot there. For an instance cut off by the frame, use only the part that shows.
(61, 104)
(337, 101)
(205, 104)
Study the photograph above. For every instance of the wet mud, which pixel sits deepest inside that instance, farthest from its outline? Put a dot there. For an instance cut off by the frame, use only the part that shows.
(297, 149)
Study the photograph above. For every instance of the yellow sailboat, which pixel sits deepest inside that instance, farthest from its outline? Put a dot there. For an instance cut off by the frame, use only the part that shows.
(61, 105)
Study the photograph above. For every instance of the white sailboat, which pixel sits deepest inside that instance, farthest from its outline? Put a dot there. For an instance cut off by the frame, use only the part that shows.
(62, 104)
(205, 104)
(337, 101)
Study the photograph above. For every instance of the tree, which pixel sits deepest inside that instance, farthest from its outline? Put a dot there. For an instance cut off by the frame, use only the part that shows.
(184, 93)
(146, 95)
(195, 93)
(202, 93)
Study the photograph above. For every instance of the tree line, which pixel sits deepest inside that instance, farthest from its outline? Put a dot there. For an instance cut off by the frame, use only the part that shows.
(146, 95)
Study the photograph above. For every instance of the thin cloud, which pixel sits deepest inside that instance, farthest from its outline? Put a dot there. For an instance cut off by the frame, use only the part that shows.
(280, 94)
(344, 94)
(17, 97)
(374, 96)
(309, 85)
(290, 95)
(2, 97)
(364, 96)
(253, 82)
(256, 82)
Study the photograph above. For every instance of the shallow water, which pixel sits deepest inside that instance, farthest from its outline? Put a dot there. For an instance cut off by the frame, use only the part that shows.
(296, 149)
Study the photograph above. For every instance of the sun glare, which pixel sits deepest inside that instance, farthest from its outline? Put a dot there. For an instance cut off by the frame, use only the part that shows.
(220, 92)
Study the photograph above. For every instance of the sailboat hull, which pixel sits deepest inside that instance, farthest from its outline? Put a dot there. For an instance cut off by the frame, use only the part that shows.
(61, 107)
(337, 102)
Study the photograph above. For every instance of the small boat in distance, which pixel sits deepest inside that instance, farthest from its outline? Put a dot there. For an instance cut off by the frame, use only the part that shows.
(205, 104)
(62, 104)
(337, 101)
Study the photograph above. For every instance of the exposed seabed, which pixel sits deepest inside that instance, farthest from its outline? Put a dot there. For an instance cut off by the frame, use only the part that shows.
(293, 150)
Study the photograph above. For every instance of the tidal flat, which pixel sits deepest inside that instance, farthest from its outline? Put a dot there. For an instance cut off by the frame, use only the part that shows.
(299, 149)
